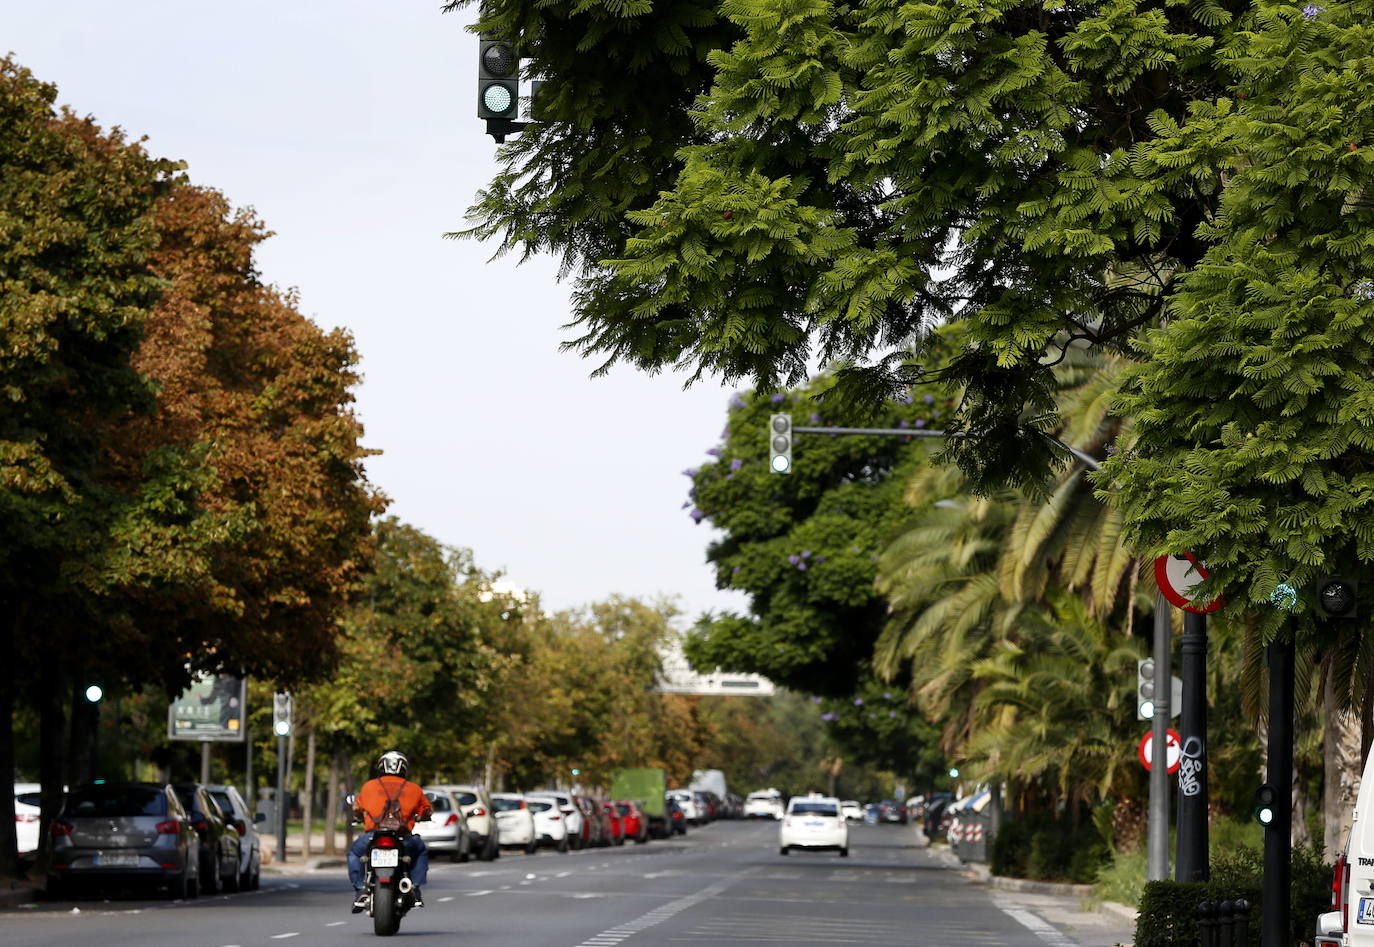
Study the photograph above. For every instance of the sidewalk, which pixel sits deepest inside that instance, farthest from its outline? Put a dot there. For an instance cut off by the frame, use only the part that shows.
(296, 863)
(1105, 924)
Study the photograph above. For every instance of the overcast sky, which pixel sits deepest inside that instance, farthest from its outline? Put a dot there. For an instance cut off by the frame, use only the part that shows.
(350, 126)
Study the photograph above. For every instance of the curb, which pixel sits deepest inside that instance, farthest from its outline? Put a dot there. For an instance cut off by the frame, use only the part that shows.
(1041, 887)
(314, 864)
(982, 873)
(1123, 911)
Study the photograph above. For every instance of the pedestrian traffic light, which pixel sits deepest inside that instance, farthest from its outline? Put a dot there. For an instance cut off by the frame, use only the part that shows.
(1336, 597)
(780, 443)
(281, 714)
(1145, 689)
(1266, 797)
(498, 79)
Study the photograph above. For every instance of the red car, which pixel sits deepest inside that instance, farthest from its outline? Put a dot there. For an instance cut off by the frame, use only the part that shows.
(617, 836)
(633, 820)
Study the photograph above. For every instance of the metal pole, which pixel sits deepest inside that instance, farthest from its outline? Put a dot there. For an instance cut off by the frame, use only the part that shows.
(204, 762)
(250, 793)
(1191, 862)
(1087, 459)
(281, 799)
(1157, 860)
(1278, 842)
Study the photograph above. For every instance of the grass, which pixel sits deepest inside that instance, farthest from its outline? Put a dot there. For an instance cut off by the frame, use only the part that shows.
(1124, 878)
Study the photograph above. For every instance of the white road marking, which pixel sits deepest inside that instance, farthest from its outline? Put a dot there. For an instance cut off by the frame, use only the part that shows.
(1039, 926)
(563, 874)
(662, 913)
(478, 894)
(286, 935)
(447, 897)
(336, 924)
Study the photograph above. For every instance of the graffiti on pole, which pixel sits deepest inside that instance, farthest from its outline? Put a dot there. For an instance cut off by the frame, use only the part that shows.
(211, 709)
(1190, 767)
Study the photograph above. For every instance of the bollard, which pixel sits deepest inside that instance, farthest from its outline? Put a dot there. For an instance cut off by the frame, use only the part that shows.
(1240, 924)
(1225, 913)
(1207, 924)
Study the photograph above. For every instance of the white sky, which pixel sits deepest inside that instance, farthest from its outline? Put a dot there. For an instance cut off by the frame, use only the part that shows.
(350, 126)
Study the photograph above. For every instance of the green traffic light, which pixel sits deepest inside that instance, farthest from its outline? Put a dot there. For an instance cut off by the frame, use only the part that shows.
(497, 98)
(577, 772)
(954, 772)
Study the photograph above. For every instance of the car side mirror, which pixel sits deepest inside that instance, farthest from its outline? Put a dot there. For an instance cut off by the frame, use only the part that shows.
(260, 817)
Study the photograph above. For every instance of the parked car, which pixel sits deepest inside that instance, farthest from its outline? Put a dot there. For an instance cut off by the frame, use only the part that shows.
(633, 821)
(244, 822)
(853, 812)
(446, 832)
(594, 826)
(764, 804)
(670, 823)
(26, 815)
(549, 826)
(514, 822)
(125, 832)
(814, 822)
(572, 816)
(687, 800)
(889, 810)
(478, 815)
(617, 825)
(220, 842)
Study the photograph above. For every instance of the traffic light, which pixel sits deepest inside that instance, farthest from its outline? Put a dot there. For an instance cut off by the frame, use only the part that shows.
(1145, 689)
(94, 693)
(780, 443)
(1336, 597)
(281, 714)
(1266, 797)
(498, 80)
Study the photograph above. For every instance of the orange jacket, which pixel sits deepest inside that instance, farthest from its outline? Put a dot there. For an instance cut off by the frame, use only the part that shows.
(373, 797)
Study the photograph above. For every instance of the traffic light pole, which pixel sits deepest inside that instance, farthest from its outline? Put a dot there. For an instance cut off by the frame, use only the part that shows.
(1157, 854)
(1191, 861)
(281, 799)
(1278, 843)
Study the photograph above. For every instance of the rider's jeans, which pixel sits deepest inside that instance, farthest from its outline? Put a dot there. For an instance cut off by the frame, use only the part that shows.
(414, 846)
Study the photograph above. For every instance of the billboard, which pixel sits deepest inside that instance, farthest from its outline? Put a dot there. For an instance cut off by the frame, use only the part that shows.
(211, 709)
(678, 677)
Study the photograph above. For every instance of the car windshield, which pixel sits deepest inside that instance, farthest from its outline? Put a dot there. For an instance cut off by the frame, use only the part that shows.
(29, 798)
(538, 805)
(505, 805)
(761, 797)
(222, 800)
(104, 801)
(439, 802)
(814, 808)
(624, 809)
(188, 799)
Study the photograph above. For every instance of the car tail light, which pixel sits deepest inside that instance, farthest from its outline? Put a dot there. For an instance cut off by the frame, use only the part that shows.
(200, 826)
(1340, 890)
(60, 829)
(555, 818)
(478, 811)
(169, 827)
(240, 827)
(385, 841)
(522, 803)
(170, 865)
(451, 820)
(25, 817)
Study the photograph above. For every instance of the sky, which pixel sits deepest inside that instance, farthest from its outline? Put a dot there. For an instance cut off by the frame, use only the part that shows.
(350, 126)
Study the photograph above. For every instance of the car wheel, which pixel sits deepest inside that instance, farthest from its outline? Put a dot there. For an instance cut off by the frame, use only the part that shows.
(563, 845)
(844, 852)
(209, 876)
(532, 847)
(783, 850)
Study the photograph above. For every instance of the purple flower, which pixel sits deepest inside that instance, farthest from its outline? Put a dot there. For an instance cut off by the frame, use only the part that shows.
(815, 418)
(736, 401)
(690, 472)
(820, 558)
(891, 714)
(729, 476)
(714, 452)
(736, 464)
(1364, 289)
(858, 701)
(735, 571)
(830, 716)
(686, 503)
(920, 422)
(815, 700)
(806, 553)
(697, 515)
(778, 398)
(905, 398)
(904, 423)
(929, 399)
(724, 433)
(1312, 11)
(794, 559)
(801, 567)
(887, 695)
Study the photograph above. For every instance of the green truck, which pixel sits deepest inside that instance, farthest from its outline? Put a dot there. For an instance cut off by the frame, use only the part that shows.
(644, 786)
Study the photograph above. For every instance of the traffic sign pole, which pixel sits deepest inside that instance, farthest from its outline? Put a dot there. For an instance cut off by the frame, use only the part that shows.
(1275, 907)
(1190, 863)
(1157, 860)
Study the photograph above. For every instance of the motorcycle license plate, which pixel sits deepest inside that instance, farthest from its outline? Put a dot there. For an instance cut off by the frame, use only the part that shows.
(386, 857)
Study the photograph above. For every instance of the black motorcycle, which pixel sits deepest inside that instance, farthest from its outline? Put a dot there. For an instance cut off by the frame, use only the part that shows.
(387, 881)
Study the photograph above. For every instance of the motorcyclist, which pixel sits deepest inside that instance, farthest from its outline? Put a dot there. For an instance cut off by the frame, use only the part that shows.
(390, 790)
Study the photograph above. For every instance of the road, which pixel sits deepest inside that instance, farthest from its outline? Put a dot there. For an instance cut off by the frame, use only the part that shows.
(722, 884)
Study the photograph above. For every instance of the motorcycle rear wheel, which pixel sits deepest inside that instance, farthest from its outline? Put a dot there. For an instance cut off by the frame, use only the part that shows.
(386, 912)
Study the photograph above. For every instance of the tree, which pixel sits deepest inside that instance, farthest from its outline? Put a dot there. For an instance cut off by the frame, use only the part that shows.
(855, 174)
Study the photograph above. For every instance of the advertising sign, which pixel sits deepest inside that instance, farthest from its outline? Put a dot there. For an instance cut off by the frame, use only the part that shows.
(211, 709)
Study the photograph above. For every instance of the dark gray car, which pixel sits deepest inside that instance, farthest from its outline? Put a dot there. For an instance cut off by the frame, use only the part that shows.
(244, 821)
(125, 833)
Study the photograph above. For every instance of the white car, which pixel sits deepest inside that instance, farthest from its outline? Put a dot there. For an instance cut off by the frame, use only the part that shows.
(477, 814)
(572, 816)
(814, 822)
(687, 802)
(26, 812)
(549, 826)
(514, 822)
(765, 804)
(447, 830)
(853, 812)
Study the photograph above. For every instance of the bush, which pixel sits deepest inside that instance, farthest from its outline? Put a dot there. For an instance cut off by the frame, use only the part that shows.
(1043, 850)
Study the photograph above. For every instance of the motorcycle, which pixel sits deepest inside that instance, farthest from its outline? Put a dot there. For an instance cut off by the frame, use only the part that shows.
(387, 881)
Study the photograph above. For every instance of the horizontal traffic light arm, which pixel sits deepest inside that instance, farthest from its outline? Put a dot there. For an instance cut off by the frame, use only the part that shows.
(1087, 459)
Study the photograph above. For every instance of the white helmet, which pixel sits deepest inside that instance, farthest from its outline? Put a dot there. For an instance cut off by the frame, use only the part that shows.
(392, 763)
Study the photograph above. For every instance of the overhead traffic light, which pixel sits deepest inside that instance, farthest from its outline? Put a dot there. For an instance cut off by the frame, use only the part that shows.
(281, 714)
(1145, 689)
(1266, 797)
(780, 443)
(1336, 597)
(498, 80)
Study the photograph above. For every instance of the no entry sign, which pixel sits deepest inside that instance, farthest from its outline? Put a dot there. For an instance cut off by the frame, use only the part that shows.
(1177, 576)
(1173, 749)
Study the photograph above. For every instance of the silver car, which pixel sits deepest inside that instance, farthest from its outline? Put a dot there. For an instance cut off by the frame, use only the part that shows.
(244, 821)
(131, 833)
(447, 830)
(481, 820)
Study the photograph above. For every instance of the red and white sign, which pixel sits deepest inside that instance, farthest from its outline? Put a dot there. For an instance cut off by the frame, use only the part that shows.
(1173, 749)
(1177, 576)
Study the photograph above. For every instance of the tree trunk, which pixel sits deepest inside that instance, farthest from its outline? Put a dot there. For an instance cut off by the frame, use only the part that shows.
(1341, 747)
(331, 819)
(9, 857)
(81, 752)
(52, 746)
(308, 797)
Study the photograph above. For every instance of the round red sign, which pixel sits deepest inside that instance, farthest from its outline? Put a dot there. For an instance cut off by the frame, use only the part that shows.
(1177, 576)
(1173, 749)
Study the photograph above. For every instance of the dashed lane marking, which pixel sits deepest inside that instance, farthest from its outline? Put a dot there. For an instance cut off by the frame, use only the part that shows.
(286, 935)
(658, 915)
(336, 924)
(1043, 929)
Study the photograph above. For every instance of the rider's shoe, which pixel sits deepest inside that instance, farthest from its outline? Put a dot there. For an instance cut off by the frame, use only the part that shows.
(419, 901)
(359, 901)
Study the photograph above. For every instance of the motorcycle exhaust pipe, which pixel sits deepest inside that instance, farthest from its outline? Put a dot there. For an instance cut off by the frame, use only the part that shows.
(405, 885)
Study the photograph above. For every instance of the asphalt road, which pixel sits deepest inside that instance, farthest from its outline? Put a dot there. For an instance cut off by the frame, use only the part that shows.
(723, 884)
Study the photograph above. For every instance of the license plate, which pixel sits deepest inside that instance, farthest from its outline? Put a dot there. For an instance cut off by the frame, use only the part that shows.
(385, 857)
(116, 861)
(1366, 915)
(815, 824)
